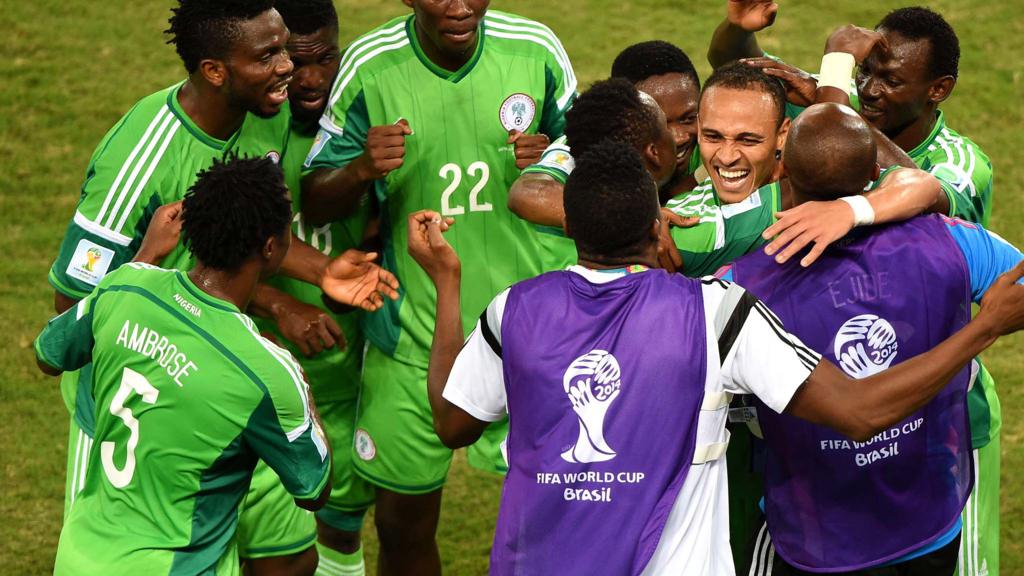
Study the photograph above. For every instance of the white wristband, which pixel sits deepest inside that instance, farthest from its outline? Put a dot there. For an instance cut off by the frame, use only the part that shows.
(863, 213)
(836, 70)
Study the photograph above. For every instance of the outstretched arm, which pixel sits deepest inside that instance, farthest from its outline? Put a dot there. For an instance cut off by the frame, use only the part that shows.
(537, 197)
(735, 36)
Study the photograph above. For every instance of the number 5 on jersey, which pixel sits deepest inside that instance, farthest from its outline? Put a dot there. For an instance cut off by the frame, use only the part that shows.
(131, 381)
(479, 170)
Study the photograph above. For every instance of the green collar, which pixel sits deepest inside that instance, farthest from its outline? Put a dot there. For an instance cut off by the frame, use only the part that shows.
(197, 292)
(410, 31)
(176, 109)
(921, 148)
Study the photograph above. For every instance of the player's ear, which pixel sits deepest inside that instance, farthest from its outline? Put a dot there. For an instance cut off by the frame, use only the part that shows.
(655, 232)
(407, 3)
(783, 132)
(213, 71)
(941, 89)
(651, 158)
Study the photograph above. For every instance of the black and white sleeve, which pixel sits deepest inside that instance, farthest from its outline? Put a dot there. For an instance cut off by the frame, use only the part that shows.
(476, 383)
(759, 356)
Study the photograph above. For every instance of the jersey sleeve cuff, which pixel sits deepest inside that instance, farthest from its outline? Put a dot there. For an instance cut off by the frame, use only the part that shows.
(316, 492)
(456, 397)
(558, 175)
(780, 400)
(64, 288)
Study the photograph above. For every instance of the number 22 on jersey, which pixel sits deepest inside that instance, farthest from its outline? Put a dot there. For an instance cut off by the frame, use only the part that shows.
(452, 173)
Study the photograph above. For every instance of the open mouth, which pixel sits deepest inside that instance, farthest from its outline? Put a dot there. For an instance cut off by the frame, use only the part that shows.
(869, 110)
(683, 155)
(311, 101)
(733, 180)
(279, 92)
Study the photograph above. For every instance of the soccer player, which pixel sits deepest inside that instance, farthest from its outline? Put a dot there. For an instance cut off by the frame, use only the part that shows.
(186, 395)
(656, 68)
(900, 90)
(331, 352)
(639, 355)
(835, 505)
(439, 109)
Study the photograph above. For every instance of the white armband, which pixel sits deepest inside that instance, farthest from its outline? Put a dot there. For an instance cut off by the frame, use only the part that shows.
(863, 213)
(836, 70)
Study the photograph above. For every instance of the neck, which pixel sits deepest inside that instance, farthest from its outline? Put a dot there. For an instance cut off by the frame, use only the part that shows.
(235, 287)
(210, 109)
(789, 196)
(594, 262)
(449, 62)
(910, 136)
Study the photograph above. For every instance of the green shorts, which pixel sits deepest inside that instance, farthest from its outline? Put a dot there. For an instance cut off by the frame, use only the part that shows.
(488, 453)
(351, 495)
(79, 445)
(269, 521)
(979, 541)
(395, 445)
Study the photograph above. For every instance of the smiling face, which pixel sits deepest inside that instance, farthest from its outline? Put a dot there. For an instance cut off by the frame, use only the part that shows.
(896, 90)
(257, 66)
(448, 29)
(739, 135)
(678, 96)
(315, 58)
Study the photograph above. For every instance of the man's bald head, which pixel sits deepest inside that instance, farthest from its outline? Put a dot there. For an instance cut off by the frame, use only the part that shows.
(830, 153)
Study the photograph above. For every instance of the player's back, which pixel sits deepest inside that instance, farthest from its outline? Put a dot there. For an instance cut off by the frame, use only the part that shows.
(186, 394)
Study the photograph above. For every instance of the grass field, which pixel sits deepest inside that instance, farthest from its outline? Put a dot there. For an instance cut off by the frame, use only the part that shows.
(74, 67)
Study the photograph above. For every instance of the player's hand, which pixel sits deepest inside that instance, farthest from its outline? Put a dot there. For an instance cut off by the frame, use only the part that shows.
(308, 327)
(817, 223)
(1003, 303)
(528, 147)
(161, 235)
(428, 247)
(800, 86)
(859, 42)
(353, 279)
(668, 255)
(385, 150)
(752, 15)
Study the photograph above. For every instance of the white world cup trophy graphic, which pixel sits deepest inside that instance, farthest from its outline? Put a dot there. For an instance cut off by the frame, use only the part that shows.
(865, 345)
(592, 382)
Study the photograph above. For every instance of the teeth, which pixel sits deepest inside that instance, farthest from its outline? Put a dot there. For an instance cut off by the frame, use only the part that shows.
(733, 173)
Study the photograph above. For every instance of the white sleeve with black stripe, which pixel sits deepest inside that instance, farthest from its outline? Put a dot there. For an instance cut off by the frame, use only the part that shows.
(758, 355)
(476, 383)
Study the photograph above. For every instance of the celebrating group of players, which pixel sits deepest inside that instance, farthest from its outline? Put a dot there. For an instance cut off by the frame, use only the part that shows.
(340, 197)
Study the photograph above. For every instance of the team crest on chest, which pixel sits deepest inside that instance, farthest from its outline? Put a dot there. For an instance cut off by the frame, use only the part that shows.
(517, 112)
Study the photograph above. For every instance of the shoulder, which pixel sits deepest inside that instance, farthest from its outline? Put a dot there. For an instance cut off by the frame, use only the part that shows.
(524, 36)
(148, 120)
(952, 152)
(379, 48)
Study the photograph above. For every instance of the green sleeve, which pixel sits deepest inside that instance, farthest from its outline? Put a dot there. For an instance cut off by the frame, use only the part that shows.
(283, 433)
(335, 146)
(962, 189)
(67, 340)
(556, 161)
(559, 91)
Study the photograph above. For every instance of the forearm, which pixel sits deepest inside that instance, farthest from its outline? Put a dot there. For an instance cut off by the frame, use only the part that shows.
(905, 194)
(332, 194)
(443, 351)
(862, 408)
(730, 42)
(303, 262)
(266, 301)
(537, 198)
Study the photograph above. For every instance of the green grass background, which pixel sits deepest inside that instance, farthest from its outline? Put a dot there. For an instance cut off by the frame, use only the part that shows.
(73, 67)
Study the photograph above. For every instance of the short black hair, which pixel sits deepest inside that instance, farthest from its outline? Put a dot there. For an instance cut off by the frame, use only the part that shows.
(653, 58)
(919, 23)
(231, 210)
(740, 76)
(307, 16)
(610, 201)
(610, 109)
(207, 28)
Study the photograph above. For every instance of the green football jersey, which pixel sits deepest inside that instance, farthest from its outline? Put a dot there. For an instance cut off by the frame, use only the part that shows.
(964, 171)
(187, 396)
(333, 374)
(149, 158)
(457, 160)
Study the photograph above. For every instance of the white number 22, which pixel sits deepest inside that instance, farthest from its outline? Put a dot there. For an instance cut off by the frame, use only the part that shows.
(131, 381)
(453, 171)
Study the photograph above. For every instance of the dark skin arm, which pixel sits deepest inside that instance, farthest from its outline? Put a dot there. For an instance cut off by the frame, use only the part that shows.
(308, 327)
(537, 198)
(862, 408)
(735, 36)
(453, 425)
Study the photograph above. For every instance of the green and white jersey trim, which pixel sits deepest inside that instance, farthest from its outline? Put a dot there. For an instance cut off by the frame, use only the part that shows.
(132, 178)
(960, 159)
(502, 25)
(556, 161)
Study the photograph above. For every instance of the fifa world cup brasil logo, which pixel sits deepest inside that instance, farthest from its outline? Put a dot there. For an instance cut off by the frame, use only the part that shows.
(592, 382)
(92, 256)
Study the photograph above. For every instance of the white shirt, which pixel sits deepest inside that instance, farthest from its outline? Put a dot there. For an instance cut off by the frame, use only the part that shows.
(761, 358)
